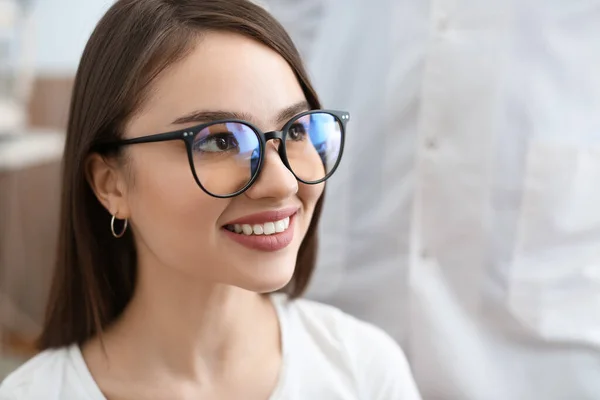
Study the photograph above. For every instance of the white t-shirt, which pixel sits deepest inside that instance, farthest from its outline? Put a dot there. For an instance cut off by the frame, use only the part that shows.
(327, 355)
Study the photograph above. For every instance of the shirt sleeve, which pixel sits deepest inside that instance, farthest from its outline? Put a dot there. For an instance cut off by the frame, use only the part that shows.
(382, 369)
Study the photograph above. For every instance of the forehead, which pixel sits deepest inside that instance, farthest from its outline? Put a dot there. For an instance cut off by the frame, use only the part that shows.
(224, 71)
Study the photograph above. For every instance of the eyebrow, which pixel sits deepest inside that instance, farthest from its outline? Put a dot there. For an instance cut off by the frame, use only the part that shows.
(287, 113)
(209, 116)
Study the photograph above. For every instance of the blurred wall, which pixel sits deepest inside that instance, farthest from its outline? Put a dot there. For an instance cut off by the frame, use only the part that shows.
(30, 177)
(62, 29)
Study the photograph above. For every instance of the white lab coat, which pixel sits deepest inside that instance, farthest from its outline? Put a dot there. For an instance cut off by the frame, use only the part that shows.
(465, 217)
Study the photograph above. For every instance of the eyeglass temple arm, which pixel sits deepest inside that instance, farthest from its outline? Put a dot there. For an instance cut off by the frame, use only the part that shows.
(160, 137)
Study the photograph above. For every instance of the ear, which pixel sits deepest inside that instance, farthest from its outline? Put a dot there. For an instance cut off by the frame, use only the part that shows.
(107, 180)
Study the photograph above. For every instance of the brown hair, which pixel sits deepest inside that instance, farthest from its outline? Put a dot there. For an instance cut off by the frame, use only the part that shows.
(134, 41)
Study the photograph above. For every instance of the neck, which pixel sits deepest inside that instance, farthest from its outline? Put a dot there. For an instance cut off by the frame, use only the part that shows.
(191, 329)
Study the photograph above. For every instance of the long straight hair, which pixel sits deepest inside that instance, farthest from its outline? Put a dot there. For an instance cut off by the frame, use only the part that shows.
(135, 41)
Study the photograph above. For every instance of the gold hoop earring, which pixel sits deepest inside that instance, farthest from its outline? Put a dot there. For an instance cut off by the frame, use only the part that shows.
(112, 227)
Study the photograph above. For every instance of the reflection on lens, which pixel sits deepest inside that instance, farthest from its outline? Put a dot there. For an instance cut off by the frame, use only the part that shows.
(313, 145)
(226, 157)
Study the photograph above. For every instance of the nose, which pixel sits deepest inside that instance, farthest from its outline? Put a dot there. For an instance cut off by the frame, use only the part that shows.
(275, 181)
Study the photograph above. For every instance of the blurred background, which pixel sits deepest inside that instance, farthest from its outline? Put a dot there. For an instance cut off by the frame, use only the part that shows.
(41, 42)
(466, 220)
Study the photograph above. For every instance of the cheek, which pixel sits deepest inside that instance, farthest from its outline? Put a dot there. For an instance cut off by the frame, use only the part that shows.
(309, 195)
(172, 217)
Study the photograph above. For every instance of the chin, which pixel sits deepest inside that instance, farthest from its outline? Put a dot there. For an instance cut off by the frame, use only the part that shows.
(266, 277)
(267, 287)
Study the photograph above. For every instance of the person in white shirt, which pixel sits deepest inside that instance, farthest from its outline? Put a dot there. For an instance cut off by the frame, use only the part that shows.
(195, 162)
(465, 219)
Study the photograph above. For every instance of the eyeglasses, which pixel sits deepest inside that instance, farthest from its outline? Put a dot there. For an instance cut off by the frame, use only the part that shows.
(227, 156)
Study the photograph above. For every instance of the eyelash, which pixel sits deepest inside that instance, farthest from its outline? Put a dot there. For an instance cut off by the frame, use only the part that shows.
(227, 136)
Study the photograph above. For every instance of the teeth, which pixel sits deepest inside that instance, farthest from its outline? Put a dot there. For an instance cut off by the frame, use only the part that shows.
(279, 226)
(247, 229)
(258, 229)
(268, 228)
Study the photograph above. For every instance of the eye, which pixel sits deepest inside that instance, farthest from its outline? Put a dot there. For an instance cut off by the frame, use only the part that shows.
(217, 143)
(296, 132)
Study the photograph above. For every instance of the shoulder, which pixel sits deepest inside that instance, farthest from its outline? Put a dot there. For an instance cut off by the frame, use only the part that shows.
(332, 325)
(37, 378)
(376, 362)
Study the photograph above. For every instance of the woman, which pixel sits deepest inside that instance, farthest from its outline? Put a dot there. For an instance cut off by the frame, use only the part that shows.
(193, 181)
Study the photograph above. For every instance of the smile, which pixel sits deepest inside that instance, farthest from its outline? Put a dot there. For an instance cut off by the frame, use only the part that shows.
(267, 231)
(267, 228)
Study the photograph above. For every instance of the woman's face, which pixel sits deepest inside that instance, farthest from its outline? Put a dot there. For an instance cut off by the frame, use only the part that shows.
(175, 223)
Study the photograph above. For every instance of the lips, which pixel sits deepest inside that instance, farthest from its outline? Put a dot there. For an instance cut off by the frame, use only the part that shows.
(268, 231)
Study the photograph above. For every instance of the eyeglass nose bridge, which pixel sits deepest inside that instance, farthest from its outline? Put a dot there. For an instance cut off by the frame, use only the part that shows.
(273, 135)
(276, 135)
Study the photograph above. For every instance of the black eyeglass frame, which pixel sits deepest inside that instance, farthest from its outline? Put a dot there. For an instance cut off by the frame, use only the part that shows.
(188, 135)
